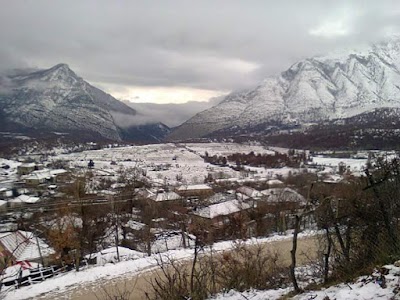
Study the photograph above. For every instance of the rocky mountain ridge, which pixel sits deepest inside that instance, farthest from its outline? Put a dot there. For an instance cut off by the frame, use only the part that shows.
(310, 91)
(56, 99)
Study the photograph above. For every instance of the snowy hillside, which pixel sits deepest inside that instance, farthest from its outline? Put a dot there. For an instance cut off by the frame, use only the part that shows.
(57, 99)
(319, 88)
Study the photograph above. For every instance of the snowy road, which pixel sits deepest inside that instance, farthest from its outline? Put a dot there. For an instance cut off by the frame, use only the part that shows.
(307, 248)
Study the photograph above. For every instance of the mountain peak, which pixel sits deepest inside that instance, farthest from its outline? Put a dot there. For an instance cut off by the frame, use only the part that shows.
(60, 66)
(338, 85)
(56, 99)
(60, 72)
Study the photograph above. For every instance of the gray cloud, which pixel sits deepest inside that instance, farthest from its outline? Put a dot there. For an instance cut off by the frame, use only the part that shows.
(217, 45)
(170, 114)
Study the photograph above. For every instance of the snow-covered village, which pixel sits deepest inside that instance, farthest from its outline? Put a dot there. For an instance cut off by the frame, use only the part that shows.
(71, 220)
(199, 150)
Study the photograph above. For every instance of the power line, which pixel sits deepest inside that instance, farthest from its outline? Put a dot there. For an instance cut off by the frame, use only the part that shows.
(69, 203)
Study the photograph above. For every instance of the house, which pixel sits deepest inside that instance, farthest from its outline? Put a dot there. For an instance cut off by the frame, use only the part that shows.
(36, 179)
(276, 207)
(44, 176)
(3, 205)
(195, 190)
(5, 193)
(249, 192)
(274, 183)
(225, 218)
(18, 246)
(162, 196)
(283, 198)
(22, 200)
(26, 168)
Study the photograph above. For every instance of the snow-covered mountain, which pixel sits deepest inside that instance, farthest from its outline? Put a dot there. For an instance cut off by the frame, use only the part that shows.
(57, 99)
(335, 86)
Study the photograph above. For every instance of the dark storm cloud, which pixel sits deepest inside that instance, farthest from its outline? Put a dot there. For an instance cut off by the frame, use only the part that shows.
(220, 45)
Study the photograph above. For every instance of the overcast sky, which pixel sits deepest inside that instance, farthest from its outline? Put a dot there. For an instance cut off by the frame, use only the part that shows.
(176, 51)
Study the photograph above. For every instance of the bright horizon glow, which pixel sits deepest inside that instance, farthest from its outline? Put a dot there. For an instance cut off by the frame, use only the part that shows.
(160, 95)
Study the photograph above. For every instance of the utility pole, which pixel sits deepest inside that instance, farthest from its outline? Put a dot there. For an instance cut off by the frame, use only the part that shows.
(116, 228)
(40, 251)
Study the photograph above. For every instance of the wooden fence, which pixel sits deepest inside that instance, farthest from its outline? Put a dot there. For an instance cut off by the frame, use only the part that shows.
(35, 276)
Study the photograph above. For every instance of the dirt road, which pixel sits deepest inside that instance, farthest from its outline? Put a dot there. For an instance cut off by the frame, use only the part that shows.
(139, 283)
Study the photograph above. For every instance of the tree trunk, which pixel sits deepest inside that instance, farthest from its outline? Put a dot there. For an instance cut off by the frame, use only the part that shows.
(327, 255)
(293, 255)
(183, 231)
(196, 252)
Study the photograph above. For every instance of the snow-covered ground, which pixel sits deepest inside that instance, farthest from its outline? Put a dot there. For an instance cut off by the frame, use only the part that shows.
(171, 163)
(253, 295)
(363, 288)
(162, 163)
(8, 171)
(124, 268)
(225, 149)
(355, 165)
(175, 164)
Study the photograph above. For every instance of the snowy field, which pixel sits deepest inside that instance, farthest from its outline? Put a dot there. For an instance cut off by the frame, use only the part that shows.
(175, 164)
(225, 149)
(356, 165)
(170, 163)
(162, 163)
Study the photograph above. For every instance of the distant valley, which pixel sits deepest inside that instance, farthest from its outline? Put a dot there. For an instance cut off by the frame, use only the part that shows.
(172, 114)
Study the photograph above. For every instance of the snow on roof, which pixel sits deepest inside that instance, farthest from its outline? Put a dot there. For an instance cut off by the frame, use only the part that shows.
(222, 209)
(165, 196)
(23, 245)
(3, 202)
(274, 182)
(39, 175)
(333, 178)
(220, 197)
(28, 165)
(135, 225)
(241, 196)
(249, 192)
(194, 187)
(58, 171)
(45, 174)
(25, 199)
(282, 195)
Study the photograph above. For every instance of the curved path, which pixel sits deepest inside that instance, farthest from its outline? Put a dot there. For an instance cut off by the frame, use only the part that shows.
(139, 282)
